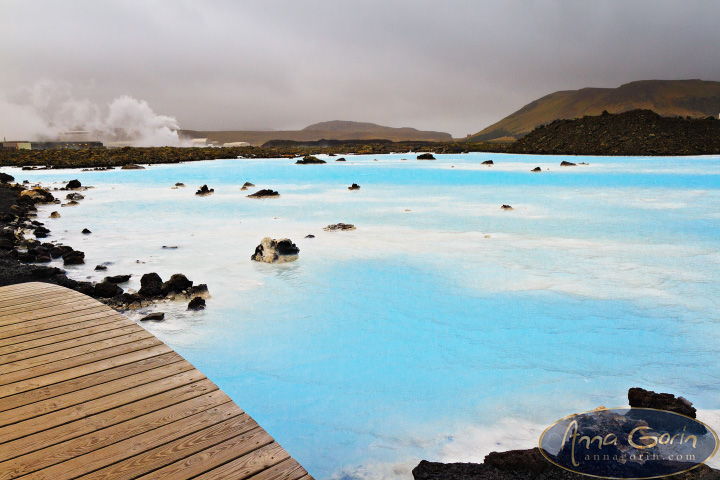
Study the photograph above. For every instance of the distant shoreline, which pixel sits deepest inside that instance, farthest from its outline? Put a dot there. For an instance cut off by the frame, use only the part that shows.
(105, 158)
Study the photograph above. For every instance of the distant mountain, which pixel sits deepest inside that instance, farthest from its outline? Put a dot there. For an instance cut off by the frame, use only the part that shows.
(670, 98)
(636, 133)
(333, 130)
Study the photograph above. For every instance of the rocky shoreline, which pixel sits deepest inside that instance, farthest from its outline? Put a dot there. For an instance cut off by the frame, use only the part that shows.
(531, 465)
(21, 256)
(130, 157)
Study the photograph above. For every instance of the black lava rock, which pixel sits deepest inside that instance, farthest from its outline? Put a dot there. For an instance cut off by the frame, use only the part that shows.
(150, 285)
(197, 303)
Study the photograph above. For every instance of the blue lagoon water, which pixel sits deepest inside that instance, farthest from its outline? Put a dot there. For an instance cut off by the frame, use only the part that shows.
(443, 327)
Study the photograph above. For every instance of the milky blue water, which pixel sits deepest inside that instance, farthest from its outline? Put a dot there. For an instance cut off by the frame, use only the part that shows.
(443, 327)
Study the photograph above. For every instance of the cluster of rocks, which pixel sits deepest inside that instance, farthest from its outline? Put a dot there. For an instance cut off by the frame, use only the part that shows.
(354, 186)
(531, 465)
(247, 185)
(20, 256)
(426, 156)
(339, 227)
(275, 251)
(204, 190)
(264, 193)
(309, 160)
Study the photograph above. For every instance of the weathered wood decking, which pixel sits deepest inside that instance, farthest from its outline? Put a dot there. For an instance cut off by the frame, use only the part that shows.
(87, 393)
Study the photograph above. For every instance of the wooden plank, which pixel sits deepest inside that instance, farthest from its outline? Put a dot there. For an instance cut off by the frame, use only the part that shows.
(30, 297)
(131, 373)
(43, 331)
(42, 302)
(52, 311)
(168, 406)
(242, 427)
(191, 380)
(135, 335)
(246, 457)
(107, 438)
(287, 470)
(88, 358)
(58, 402)
(68, 318)
(37, 382)
(82, 464)
(41, 346)
(30, 288)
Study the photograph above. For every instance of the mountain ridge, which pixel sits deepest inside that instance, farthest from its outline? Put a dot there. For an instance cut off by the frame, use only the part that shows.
(330, 130)
(670, 98)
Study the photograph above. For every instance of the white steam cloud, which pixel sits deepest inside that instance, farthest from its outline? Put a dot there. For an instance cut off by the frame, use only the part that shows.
(48, 110)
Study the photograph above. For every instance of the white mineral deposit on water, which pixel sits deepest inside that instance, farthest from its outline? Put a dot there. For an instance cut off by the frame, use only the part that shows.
(443, 332)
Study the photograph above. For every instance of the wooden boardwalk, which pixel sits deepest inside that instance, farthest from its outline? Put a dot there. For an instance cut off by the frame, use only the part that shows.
(87, 393)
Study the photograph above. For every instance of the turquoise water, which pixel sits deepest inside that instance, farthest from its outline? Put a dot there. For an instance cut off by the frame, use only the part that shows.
(443, 327)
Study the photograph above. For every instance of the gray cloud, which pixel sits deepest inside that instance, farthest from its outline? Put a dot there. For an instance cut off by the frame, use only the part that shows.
(455, 66)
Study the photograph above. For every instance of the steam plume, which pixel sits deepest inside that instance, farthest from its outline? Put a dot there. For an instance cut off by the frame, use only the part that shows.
(48, 109)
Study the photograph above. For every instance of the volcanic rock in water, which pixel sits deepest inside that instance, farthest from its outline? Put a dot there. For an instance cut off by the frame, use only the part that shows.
(153, 316)
(74, 257)
(309, 159)
(488, 162)
(339, 226)
(170, 247)
(150, 285)
(54, 215)
(114, 278)
(275, 251)
(536, 169)
(131, 166)
(107, 289)
(354, 186)
(264, 193)
(197, 303)
(310, 236)
(425, 156)
(641, 398)
(41, 232)
(177, 283)
(204, 190)
(74, 196)
(179, 184)
(341, 160)
(248, 185)
(506, 207)
(567, 164)
(72, 184)
(100, 267)
(60, 250)
(86, 231)
(71, 203)
(5, 178)
(38, 195)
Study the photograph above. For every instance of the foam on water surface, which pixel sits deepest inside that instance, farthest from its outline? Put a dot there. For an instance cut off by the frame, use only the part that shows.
(442, 327)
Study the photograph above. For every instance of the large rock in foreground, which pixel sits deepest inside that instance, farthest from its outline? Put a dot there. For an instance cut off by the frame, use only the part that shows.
(531, 465)
(275, 251)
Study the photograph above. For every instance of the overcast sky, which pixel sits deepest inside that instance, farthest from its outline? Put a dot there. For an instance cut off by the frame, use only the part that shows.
(455, 66)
